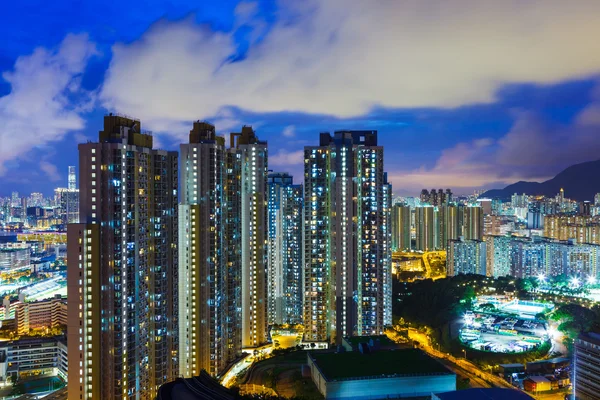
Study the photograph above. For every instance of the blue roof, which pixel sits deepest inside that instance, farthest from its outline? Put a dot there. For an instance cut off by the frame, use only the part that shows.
(484, 394)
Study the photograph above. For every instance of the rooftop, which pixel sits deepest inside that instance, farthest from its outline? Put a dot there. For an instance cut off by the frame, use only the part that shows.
(355, 365)
(487, 394)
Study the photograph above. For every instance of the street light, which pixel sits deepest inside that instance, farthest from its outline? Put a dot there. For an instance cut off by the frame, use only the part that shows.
(465, 351)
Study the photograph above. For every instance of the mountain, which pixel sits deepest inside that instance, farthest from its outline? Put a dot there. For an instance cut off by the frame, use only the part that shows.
(580, 182)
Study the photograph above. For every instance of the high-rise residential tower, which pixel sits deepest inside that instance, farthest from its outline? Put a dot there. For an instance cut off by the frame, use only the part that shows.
(425, 228)
(122, 267)
(347, 252)
(401, 227)
(246, 188)
(473, 223)
(285, 250)
(202, 262)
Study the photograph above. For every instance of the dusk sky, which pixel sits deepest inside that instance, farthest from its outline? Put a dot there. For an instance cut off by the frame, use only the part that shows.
(464, 94)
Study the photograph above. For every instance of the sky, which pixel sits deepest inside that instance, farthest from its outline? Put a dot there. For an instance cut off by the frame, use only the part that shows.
(465, 94)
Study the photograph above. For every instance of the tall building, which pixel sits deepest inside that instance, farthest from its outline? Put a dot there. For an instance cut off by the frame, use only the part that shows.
(122, 267)
(473, 223)
(425, 228)
(285, 249)
(586, 370)
(72, 178)
(247, 169)
(202, 262)
(401, 225)
(453, 222)
(347, 260)
(466, 257)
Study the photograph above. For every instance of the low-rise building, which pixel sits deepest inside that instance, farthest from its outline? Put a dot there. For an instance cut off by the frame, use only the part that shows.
(33, 356)
(537, 384)
(379, 374)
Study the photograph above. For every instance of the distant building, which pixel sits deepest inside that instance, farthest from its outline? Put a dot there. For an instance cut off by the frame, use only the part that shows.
(522, 257)
(379, 374)
(15, 256)
(473, 223)
(425, 228)
(587, 366)
(466, 257)
(401, 226)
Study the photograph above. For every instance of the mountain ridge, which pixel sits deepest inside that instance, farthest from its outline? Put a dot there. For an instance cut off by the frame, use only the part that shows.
(579, 181)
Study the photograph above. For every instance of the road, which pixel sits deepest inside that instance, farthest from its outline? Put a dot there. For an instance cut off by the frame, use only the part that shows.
(466, 369)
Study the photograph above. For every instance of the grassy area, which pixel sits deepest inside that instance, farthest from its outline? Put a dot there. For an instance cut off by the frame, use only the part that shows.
(339, 366)
(283, 374)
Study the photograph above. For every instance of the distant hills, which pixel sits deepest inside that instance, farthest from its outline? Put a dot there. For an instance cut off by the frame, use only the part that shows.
(580, 182)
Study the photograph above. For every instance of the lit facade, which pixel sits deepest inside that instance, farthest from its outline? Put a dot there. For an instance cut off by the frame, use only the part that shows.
(202, 262)
(122, 267)
(247, 169)
(401, 226)
(285, 249)
(347, 233)
(586, 369)
(425, 229)
(466, 257)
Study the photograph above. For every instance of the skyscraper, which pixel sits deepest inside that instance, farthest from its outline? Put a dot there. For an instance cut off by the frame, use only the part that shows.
(401, 227)
(425, 228)
(285, 249)
(122, 267)
(72, 178)
(202, 262)
(347, 260)
(473, 223)
(247, 169)
(67, 200)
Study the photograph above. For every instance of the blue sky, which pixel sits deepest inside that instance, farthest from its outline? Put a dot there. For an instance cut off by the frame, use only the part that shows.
(465, 95)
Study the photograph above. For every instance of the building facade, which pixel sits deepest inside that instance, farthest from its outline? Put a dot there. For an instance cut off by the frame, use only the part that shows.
(586, 380)
(202, 262)
(285, 249)
(347, 232)
(247, 225)
(122, 267)
(401, 226)
(466, 257)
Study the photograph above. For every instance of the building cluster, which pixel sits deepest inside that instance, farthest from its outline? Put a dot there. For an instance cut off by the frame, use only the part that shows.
(434, 226)
(160, 288)
(39, 212)
(549, 238)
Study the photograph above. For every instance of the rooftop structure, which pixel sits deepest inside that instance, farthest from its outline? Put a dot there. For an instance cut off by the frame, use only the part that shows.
(379, 375)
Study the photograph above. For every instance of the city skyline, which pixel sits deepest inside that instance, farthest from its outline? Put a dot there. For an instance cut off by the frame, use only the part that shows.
(477, 132)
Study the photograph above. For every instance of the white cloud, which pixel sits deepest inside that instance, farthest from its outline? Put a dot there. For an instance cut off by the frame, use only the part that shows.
(289, 131)
(50, 170)
(532, 150)
(342, 57)
(38, 109)
(286, 158)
